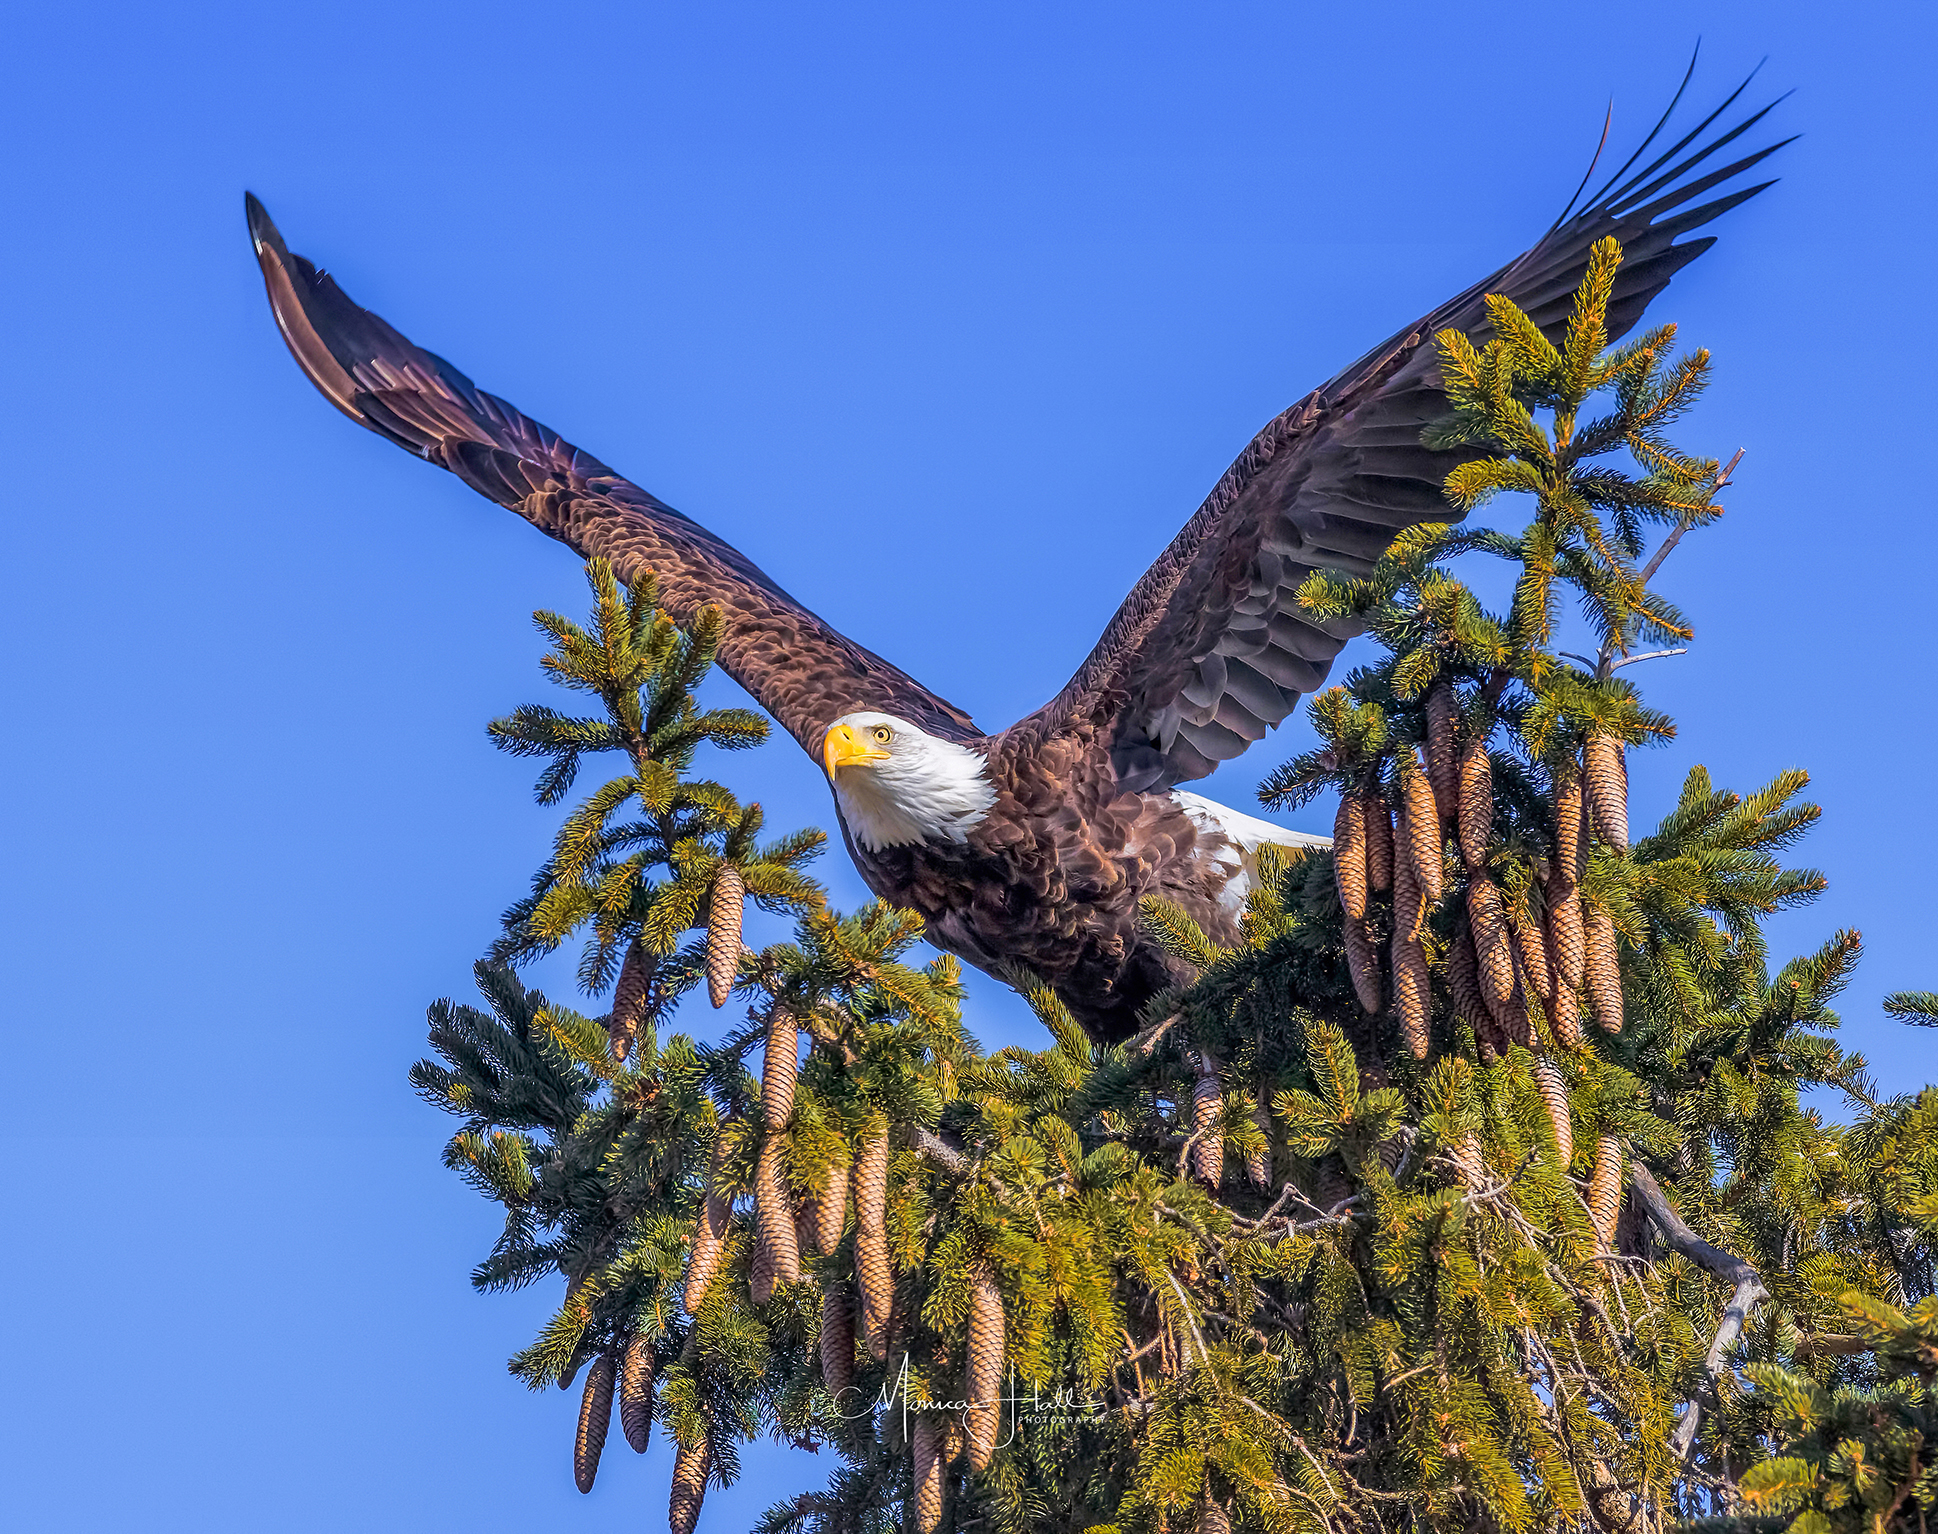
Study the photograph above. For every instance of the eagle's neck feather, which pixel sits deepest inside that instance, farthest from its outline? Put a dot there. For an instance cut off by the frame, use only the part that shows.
(932, 794)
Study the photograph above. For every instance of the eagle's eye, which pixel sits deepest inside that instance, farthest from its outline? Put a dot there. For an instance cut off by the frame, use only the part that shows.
(883, 734)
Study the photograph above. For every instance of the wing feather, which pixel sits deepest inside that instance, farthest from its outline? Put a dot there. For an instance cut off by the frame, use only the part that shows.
(1211, 650)
(797, 667)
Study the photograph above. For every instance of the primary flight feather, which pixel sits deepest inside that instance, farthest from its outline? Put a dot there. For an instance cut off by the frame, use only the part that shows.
(1027, 850)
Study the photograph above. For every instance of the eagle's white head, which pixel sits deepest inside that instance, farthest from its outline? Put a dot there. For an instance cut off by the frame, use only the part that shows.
(898, 785)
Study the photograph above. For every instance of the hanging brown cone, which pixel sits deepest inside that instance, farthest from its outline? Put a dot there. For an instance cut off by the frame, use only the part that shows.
(1553, 1088)
(1258, 1165)
(1409, 902)
(1442, 749)
(1531, 946)
(724, 914)
(689, 1485)
(983, 1383)
(1349, 854)
(1212, 1517)
(803, 1226)
(1605, 1188)
(1330, 1186)
(1565, 1012)
(595, 1417)
(1379, 840)
(631, 999)
(1420, 834)
(1604, 970)
(778, 1068)
(1463, 980)
(1569, 849)
(837, 1338)
(872, 1271)
(831, 1209)
(1476, 814)
(1605, 766)
(1492, 946)
(777, 1256)
(1567, 938)
(1207, 1103)
(1512, 1016)
(1411, 992)
(709, 1235)
(925, 1445)
(636, 1393)
(1465, 1153)
(1362, 959)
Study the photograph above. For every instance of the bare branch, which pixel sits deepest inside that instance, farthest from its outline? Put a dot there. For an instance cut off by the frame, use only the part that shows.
(937, 1149)
(1630, 660)
(1147, 1041)
(1748, 1293)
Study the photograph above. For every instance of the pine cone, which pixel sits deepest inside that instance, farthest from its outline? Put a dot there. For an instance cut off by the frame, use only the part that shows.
(1409, 902)
(631, 999)
(779, 1066)
(1605, 1188)
(1604, 971)
(723, 933)
(1212, 1517)
(1379, 840)
(1443, 749)
(1258, 1165)
(1476, 803)
(1531, 946)
(1553, 1088)
(689, 1485)
(1567, 939)
(1411, 992)
(1463, 979)
(837, 1338)
(636, 1393)
(777, 1257)
(1330, 1185)
(1492, 945)
(1349, 854)
(709, 1236)
(1512, 1017)
(1420, 831)
(1207, 1103)
(1362, 959)
(1606, 768)
(925, 1444)
(1569, 844)
(1465, 1153)
(872, 1269)
(983, 1385)
(1566, 1012)
(831, 1209)
(595, 1416)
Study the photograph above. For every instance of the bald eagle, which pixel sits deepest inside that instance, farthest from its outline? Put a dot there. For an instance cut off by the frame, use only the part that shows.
(1027, 850)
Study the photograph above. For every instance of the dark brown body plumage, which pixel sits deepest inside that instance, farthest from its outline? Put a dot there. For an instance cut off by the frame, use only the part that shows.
(1208, 653)
(1048, 884)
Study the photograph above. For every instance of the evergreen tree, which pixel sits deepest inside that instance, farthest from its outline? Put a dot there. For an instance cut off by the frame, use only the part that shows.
(1479, 1186)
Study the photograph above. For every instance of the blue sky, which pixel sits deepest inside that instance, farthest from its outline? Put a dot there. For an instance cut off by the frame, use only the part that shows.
(949, 317)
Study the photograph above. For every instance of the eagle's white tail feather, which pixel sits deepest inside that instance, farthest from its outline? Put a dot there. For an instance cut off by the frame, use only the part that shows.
(1247, 833)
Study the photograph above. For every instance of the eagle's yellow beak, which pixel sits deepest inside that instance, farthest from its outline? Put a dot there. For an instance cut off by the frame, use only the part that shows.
(844, 748)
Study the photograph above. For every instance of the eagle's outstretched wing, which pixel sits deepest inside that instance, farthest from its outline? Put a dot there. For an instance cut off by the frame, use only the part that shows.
(798, 668)
(1211, 649)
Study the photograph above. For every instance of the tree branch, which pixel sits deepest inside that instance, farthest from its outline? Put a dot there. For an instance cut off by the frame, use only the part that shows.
(1630, 660)
(1739, 1271)
(930, 1144)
